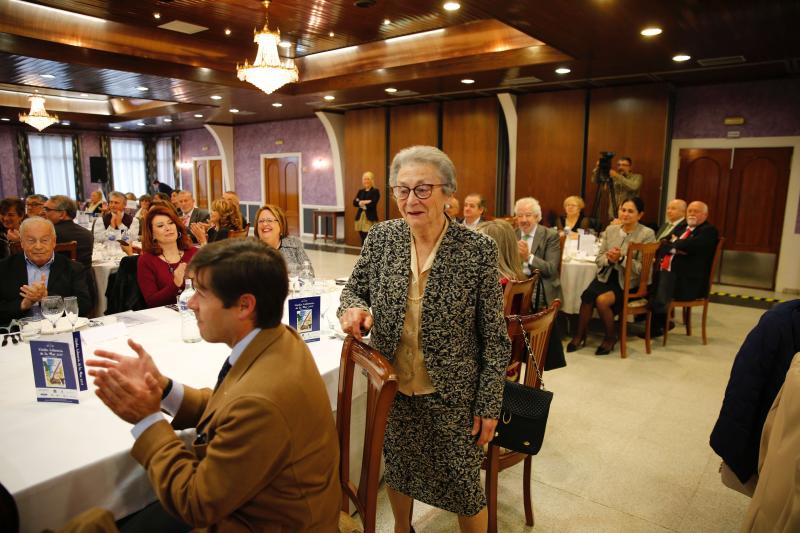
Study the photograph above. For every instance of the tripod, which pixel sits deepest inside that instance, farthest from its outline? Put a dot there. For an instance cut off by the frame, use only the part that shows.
(605, 187)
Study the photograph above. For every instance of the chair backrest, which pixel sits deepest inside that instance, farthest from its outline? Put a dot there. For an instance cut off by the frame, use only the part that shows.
(381, 389)
(9, 516)
(240, 234)
(537, 327)
(518, 295)
(68, 248)
(646, 254)
(124, 293)
(715, 264)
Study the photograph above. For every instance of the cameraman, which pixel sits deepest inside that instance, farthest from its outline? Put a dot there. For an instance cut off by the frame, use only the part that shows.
(626, 183)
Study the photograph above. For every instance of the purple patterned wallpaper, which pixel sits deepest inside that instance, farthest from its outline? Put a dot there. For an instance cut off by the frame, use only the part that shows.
(770, 109)
(306, 136)
(9, 174)
(195, 143)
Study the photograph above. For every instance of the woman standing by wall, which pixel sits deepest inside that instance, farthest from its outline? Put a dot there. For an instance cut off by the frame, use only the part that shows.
(366, 201)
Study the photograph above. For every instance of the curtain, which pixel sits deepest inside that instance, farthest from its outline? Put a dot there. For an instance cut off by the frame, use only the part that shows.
(52, 164)
(176, 158)
(77, 168)
(105, 151)
(166, 163)
(128, 162)
(23, 151)
(150, 162)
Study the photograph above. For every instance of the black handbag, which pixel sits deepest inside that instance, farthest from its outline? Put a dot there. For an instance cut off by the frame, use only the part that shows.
(523, 417)
(555, 349)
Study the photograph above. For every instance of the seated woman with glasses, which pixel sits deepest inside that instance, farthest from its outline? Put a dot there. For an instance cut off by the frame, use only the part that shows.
(273, 229)
(573, 218)
(225, 217)
(166, 251)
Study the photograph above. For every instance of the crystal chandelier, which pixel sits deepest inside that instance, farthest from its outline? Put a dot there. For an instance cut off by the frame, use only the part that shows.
(38, 116)
(268, 72)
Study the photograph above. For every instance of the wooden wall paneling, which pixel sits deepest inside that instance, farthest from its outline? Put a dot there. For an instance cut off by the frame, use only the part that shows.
(469, 136)
(630, 121)
(550, 135)
(410, 125)
(365, 149)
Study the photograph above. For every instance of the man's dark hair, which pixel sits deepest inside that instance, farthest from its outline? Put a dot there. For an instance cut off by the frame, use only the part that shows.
(164, 196)
(234, 267)
(638, 202)
(66, 204)
(626, 158)
(481, 199)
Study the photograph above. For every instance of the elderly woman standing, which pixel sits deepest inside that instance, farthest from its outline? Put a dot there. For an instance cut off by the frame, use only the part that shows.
(366, 201)
(428, 290)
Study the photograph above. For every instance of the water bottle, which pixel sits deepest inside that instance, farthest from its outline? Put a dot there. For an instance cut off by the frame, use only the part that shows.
(189, 330)
(111, 243)
(306, 278)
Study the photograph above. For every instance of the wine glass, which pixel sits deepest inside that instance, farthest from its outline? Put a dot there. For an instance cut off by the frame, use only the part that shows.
(293, 269)
(52, 308)
(71, 309)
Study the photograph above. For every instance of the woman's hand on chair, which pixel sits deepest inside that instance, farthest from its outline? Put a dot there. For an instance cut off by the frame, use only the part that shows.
(356, 322)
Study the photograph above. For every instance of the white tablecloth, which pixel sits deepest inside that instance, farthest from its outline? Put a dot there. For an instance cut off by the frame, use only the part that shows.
(60, 459)
(575, 277)
(102, 271)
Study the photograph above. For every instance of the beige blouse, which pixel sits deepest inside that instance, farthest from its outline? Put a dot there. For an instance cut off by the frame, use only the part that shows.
(409, 359)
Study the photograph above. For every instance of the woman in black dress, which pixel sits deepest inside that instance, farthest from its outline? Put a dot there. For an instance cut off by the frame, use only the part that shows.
(366, 201)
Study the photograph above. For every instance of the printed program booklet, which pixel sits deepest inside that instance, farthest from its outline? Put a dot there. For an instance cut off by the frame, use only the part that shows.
(304, 316)
(58, 370)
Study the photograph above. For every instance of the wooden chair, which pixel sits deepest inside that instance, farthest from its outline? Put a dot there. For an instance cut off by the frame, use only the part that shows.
(688, 304)
(538, 328)
(636, 303)
(518, 295)
(381, 389)
(68, 248)
(241, 234)
(9, 515)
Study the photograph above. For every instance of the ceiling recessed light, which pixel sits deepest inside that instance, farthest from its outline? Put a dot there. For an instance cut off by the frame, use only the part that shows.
(331, 34)
(216, 97)
(390, 90)
(451, 6)
(117, 127)
(227, 31)
(5, 119)
(198, 115)
(329, 97)
(277, 104)
(651, 32)
(680, 58)
(285, 44)
(65, 122)
(386, 22)
(48, 76)
(156, 15)
(140, 123)
(167, 120)
(234, 110)
(142, 88)
(467, 81)
(563, 70)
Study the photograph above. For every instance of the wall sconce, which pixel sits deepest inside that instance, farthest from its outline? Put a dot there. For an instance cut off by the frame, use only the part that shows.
(320, 163)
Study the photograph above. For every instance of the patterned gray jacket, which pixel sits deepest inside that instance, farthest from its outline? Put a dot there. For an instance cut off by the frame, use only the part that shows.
(464, 336)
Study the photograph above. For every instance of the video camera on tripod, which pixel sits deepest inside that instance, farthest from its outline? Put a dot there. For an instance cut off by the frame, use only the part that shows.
(604, 184)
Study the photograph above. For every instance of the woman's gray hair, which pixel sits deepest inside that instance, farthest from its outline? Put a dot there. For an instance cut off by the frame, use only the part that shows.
(429, 155)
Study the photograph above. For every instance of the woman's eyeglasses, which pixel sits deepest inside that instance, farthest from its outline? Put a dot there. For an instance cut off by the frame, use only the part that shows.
(267, 221)
(422, 191)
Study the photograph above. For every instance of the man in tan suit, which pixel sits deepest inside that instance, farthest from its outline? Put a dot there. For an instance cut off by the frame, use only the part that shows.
(266, 453)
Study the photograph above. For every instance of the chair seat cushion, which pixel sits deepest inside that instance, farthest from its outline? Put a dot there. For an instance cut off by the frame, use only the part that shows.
(641, 302)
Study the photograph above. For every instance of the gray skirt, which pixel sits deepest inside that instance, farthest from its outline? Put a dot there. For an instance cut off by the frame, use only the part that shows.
(431, 456)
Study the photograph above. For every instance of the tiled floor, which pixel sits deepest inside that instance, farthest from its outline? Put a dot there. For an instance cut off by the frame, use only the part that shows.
(627, 440)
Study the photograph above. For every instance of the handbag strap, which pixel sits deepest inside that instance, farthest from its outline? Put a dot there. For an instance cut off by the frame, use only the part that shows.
(530, 353)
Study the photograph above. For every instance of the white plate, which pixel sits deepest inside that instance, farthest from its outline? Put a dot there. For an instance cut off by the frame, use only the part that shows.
(63, 325)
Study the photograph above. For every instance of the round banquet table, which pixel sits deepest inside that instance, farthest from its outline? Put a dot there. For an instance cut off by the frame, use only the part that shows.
(576, 275)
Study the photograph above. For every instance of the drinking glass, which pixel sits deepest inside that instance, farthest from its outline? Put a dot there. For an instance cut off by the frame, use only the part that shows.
(52, 309)
(71, 309)
(30, 327)
(293, 269)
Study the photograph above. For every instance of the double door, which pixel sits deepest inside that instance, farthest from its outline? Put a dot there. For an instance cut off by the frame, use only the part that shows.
(745, 189)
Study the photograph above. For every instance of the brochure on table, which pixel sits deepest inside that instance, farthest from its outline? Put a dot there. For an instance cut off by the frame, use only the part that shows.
(304, 316)
(58, 371)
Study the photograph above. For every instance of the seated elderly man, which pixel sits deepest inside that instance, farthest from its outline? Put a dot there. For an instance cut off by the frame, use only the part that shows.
(266, 454)
(38, 272)
(61, 210)
(474, 208)
(685, 264)
(538, 246)
(116, 219)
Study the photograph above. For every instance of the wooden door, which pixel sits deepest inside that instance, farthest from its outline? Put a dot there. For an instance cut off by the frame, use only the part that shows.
(201, 183)
(215, 179)
(281, 180)
(704, 175)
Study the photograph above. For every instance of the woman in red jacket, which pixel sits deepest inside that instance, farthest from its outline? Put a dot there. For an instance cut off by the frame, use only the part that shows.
(166, 250)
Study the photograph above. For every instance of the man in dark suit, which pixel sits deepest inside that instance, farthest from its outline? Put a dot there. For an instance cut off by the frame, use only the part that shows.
(266, 454)
(189, 213)
(61, 210)
(162, 187)
(539, 247)
(685, 263)
(474, 207)
(38, 272)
